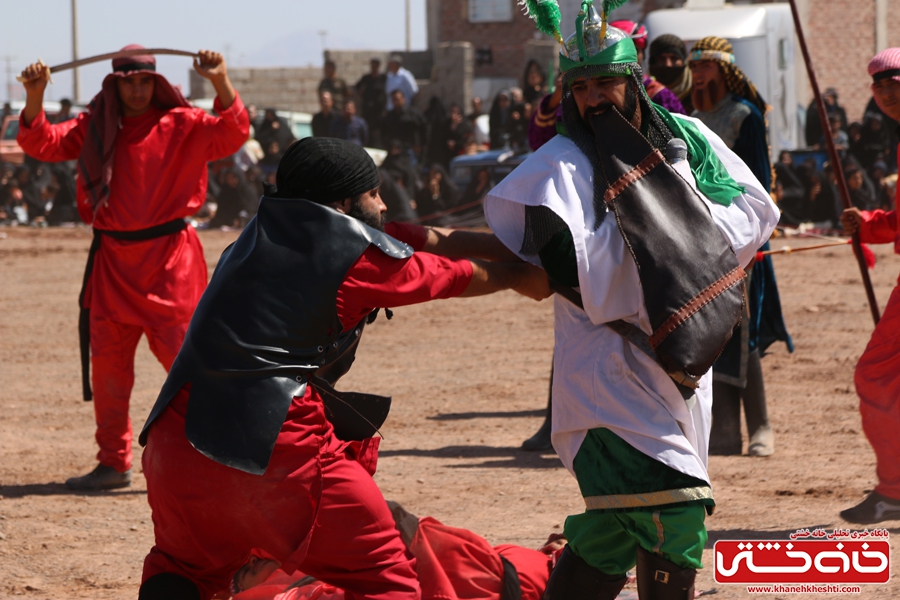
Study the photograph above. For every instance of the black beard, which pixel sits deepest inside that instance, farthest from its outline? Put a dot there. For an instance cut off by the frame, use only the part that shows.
(375, 220)
(628, 109)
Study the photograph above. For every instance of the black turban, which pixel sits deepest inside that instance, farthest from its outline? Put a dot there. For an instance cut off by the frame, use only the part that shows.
(325, 170)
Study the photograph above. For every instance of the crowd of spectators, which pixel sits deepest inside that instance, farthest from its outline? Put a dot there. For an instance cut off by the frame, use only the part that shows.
(377, 112)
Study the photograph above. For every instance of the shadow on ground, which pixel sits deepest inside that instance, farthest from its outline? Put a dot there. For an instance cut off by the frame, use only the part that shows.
(58, 489)
(505, 457)
(488, 415)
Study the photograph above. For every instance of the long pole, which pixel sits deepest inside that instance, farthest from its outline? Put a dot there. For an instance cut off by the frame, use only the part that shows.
(408, 29)
(76, 83)
(835, 161)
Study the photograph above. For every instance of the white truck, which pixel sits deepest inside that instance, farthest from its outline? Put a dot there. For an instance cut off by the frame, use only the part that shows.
(764, 48)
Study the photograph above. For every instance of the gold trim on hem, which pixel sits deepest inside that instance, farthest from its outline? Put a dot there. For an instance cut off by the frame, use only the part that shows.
(649, 499)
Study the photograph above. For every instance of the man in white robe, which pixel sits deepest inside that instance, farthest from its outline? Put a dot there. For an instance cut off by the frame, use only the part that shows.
(620, 424)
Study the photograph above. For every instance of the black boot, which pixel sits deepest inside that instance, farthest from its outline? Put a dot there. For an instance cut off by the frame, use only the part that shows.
(762, 438)
(168, 586)
(540, 441)
(661, 579)
(725, 436)
(574, 579)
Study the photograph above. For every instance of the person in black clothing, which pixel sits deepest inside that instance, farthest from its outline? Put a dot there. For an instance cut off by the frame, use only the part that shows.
(437, 195)
(274, 136)
(873, 141)
(814, 129)
(334, 85)
(399, 206)
(862, 192)
(234, 199)
(459, 131)
(501, 120)
(437, 150)
(373, 100)
(534, 83)
(31, 194)
(400, 167)
(892, 132)
(406, 125)
(64, 209)
(321, 121)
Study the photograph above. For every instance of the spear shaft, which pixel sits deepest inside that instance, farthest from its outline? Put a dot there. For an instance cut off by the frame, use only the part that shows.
(835, 161)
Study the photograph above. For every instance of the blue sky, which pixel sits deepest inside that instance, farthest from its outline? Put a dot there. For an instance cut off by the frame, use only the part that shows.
(250, 33)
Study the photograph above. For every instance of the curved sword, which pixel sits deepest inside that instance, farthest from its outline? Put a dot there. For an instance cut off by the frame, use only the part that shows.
(113, 55)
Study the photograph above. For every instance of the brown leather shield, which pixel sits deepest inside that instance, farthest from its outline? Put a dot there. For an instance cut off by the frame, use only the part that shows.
(693, 285)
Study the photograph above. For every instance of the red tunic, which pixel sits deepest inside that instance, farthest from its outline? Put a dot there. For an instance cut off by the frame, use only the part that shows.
(159, 175)
(316, 508)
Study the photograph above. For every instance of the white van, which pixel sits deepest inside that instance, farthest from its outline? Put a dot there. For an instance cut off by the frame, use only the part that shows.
(764, 48)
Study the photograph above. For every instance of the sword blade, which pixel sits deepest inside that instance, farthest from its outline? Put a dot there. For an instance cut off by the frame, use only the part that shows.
(120, 54)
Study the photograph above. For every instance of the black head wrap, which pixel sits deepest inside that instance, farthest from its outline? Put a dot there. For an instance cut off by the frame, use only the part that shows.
(325, 170)
(668, 43)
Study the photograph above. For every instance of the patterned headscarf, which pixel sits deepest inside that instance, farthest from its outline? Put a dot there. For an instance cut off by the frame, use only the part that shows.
(720, 50)
(885, 65)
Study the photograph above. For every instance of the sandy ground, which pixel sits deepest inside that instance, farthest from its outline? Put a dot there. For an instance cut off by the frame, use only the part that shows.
(469, 380)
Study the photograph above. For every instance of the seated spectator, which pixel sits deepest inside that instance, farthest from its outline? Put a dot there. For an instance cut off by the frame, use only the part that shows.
(459, 131)
(62, 190)
(349, 126)
(234, 200)
(273, 154)
(873, 141)
(841, 140)
(322, 120)
(401, 168)
(478, 188)
(254, 177)
(862, 194)
(32, 195)
(399, 206)
(274, 129)
(250, 153)
(437, 195)
(878, 175)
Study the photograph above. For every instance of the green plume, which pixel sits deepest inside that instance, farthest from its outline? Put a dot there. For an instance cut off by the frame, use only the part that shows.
(611, 5)
(546, 16)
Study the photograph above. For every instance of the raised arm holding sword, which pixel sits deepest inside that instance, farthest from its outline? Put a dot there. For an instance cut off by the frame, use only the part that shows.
(142, 151)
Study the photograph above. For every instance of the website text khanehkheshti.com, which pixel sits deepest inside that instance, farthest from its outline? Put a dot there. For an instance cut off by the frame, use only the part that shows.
(805, 588)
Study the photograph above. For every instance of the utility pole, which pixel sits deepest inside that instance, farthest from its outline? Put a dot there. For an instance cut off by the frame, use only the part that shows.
(76, 84)
(9, 85)
(408, 29)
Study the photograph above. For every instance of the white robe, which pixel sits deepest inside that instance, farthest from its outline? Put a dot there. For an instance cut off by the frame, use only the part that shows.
(600, 379)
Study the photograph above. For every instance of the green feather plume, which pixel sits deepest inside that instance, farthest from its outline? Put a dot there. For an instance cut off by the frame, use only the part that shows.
(611, 5)
(546, 16)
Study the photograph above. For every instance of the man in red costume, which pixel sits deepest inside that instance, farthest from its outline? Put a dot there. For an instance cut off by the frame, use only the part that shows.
(142, 152)
(249, 446)
(877, 374)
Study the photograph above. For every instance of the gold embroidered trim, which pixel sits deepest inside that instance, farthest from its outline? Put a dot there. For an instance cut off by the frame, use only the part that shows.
(648, 499)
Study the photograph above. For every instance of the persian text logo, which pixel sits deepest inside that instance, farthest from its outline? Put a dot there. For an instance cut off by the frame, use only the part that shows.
(802, 561)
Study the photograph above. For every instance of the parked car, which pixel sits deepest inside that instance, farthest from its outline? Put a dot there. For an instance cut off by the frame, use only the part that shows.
(499, 163)
(10, 151)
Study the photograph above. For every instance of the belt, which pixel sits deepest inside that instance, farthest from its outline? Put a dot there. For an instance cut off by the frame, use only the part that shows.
(84, 316)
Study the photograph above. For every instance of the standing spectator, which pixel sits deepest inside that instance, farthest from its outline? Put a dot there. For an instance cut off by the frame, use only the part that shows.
(728, 103)
(501, 119)
(840, 137)
(436, 148)
(405, 125)
(372, 91)
(321, 121)
(656, 91)
(534, 82)
(399, 78)
(459, 132)
(873, 140)
(65, 111)
(334, 85)
(814, 129)
(668, 56)
(349, 126)
(890, 127)
(479, 127)
(255, 118)
(274, 129)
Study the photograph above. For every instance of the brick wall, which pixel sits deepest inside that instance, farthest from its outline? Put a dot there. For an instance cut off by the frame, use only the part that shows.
(289, 88)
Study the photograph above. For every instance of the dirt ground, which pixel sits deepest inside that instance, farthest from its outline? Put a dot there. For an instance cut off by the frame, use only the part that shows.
(469, 381)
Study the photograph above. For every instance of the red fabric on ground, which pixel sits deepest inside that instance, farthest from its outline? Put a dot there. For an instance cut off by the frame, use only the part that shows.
(112, 377)
(315, 509)
(159, 175)
(532, 566)
(877, 379)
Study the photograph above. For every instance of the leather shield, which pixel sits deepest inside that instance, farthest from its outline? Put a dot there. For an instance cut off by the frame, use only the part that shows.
(692, 283)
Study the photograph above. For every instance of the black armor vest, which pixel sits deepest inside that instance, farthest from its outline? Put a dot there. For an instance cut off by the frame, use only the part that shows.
(266, 324)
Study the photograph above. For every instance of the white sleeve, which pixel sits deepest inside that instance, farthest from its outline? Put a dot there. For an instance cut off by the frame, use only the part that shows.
(751, 218)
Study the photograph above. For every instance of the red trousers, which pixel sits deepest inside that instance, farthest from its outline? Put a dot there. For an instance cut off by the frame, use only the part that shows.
(877, 381)
(113, 346)
(316, 509)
